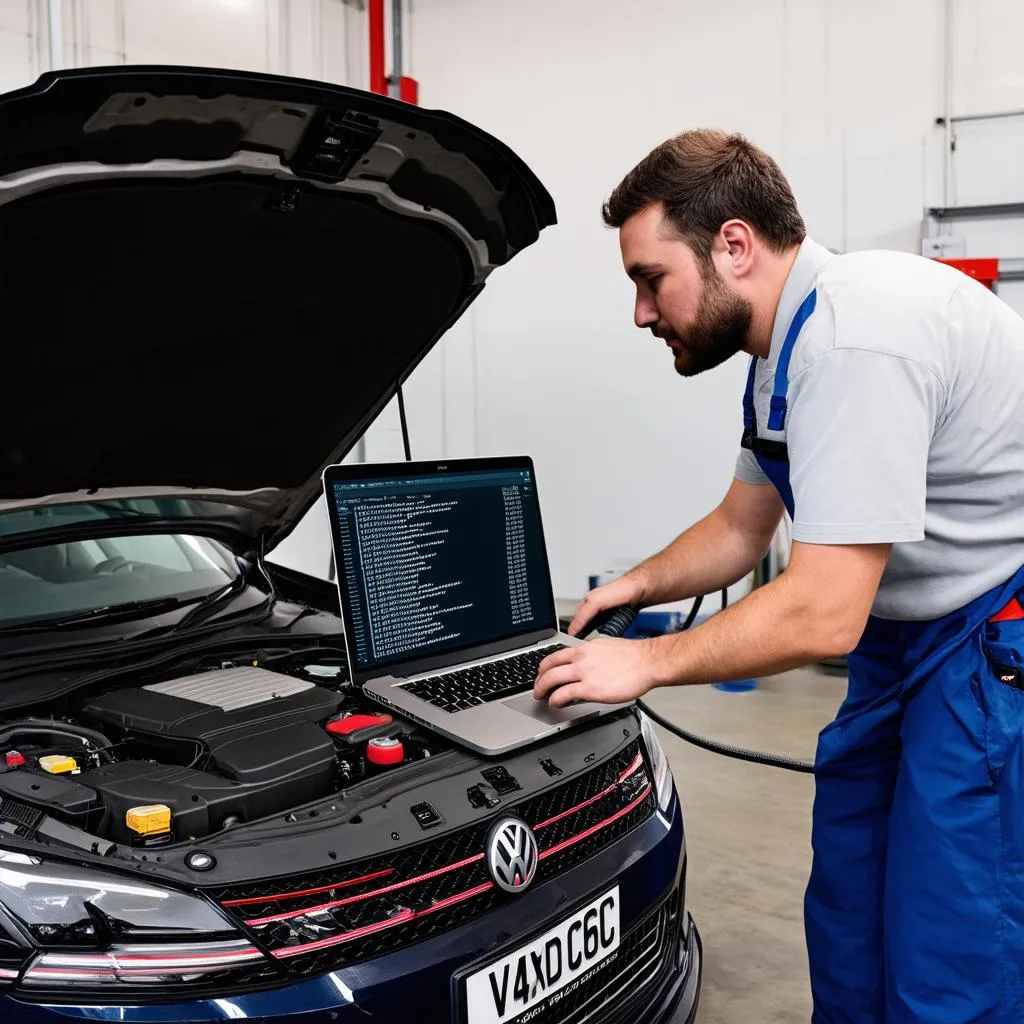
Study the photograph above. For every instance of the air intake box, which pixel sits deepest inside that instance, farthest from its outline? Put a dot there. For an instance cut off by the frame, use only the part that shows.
(255, 746)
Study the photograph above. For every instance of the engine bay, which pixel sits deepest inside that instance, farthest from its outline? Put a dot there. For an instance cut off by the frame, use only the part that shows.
(183, 758)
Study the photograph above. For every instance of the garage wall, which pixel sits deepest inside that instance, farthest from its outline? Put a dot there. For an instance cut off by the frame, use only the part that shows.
(20, 39)
(323, 39)
(844, 95)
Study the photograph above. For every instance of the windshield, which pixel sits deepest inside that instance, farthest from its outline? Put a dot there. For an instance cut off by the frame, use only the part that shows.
(54, 580)
(50, 517)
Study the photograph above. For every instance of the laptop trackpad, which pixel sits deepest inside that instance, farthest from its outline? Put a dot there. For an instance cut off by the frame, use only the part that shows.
(542, 711)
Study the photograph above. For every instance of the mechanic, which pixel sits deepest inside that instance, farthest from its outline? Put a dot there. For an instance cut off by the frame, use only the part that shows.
(884, 410)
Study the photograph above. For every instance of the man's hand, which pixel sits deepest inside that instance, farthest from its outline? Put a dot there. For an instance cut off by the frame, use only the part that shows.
(816, 609)
(604, 670)
(625, 590)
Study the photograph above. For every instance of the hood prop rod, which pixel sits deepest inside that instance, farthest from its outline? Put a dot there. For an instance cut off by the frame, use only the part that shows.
(405, 424)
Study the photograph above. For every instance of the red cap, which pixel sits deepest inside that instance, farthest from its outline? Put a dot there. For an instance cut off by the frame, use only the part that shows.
(385, 750)
(352, 723)
(14, 759)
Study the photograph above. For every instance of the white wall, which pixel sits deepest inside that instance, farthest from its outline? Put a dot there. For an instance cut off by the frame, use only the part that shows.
(20, 36)
(323, 39)
(844, 94)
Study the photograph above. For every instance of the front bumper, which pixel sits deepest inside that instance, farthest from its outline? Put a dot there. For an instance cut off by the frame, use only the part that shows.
(681, 992)
(648, 865)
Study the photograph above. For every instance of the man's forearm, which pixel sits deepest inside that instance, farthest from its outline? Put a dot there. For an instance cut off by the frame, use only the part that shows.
(818, 607)
(711, 555)
(779, 626)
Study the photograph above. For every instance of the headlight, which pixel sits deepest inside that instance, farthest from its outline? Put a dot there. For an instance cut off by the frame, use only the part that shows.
(659, 762)
(87, 929)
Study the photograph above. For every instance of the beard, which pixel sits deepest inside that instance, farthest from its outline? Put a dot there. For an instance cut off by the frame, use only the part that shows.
(719, 330)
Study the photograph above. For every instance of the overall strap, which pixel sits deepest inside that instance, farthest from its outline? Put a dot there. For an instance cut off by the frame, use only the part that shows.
(777, 413)
(748, 398)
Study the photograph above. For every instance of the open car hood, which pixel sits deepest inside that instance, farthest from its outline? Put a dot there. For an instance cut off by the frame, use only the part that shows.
(214, 281)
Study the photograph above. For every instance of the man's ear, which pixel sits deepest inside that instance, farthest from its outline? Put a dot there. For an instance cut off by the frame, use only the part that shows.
(736, 241)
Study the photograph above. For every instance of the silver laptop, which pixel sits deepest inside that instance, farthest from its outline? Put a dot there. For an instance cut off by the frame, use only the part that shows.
(446, 596)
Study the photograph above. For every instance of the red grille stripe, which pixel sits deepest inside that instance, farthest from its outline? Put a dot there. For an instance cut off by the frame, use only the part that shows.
(358, 933)
(579, 807)
(633, 768)
(403, 918)
(366, 895)
(638, 763)
(408, 915)
(630, 771)
(600, 825)
(308, 892)
(458, 898)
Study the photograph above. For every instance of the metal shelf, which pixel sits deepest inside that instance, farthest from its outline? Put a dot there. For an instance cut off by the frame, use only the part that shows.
(990, 210)
(996, 116)
(1012, 269)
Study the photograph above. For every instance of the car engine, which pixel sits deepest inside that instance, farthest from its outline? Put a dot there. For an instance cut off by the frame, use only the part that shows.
(182, 758)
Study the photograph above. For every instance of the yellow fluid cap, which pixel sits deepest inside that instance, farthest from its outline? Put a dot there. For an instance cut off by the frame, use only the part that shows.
(57, 764)
(148, 819)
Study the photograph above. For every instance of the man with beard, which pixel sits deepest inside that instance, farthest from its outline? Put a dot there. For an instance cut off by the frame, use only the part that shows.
(884, 411)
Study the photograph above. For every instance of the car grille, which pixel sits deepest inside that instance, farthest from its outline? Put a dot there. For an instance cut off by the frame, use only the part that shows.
(319, 922)
(616, 994)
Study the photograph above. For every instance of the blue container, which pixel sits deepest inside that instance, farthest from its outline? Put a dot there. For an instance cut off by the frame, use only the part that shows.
(737, 686)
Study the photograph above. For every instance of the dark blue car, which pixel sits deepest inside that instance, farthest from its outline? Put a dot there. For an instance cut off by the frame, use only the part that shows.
(227, 277)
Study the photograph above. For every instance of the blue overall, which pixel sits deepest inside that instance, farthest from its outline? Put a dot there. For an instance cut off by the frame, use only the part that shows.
(914, 909)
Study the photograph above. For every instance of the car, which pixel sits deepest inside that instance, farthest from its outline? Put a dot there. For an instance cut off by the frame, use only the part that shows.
(222, 278)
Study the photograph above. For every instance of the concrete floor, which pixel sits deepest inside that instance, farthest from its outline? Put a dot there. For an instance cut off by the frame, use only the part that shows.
(748, 836)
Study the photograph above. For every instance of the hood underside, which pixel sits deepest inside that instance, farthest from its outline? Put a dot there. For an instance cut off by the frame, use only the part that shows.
(222, 278)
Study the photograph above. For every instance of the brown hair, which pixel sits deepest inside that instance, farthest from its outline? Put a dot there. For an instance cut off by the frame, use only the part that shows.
(704, 178)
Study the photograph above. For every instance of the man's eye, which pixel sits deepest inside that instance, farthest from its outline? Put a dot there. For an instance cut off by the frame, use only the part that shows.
(653, 282)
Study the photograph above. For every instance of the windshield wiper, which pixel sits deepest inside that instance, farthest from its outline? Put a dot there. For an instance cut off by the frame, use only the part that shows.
(232, 587)
(106, 613)
(135, 609)
(115, 512)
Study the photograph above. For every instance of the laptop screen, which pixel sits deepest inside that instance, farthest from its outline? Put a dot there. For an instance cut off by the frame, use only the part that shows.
(433, 561)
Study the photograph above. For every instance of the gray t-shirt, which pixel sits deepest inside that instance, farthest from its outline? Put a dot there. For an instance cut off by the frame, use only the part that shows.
(905, 423)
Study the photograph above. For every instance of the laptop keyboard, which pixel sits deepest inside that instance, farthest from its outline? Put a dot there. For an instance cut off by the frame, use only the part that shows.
(479, 684)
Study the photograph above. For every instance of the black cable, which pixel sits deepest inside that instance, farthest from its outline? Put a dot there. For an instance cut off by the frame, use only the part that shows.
(53, 727)
(615, 622)
(741, 754)
(697, 602)
(405, 425)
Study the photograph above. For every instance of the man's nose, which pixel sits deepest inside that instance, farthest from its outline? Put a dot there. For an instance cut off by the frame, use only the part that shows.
(644, 313)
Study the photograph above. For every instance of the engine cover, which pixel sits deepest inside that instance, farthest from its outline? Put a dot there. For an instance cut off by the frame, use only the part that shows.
(260, 748)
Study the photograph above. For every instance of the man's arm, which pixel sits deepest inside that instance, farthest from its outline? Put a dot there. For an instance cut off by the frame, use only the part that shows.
(817, 608)
(714, 553)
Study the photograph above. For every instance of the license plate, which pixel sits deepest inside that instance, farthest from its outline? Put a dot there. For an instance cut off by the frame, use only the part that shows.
(537, 976)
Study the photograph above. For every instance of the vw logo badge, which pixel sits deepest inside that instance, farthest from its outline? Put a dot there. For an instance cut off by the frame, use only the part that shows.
(512, 854)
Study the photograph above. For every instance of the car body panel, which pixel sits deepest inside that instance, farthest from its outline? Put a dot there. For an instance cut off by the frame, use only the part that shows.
(647, 865)
(211, 221)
